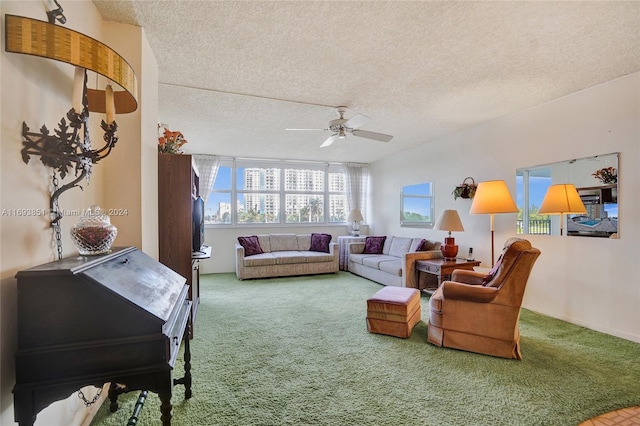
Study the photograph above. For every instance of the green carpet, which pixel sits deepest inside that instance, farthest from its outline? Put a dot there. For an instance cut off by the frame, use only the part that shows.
(295, 351)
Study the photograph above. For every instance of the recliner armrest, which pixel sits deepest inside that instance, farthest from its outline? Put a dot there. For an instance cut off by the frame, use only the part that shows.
(467, 277)
(471, 293)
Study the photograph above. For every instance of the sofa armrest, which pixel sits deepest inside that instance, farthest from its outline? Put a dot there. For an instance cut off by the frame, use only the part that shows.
(409, 275)
(467, 277)
(356, 248)
(470, 293)
(239, 261)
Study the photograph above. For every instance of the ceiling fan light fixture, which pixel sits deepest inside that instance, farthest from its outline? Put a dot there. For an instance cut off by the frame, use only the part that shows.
(341, 126)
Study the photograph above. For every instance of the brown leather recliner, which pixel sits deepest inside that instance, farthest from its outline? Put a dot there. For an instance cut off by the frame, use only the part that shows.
(479, 313)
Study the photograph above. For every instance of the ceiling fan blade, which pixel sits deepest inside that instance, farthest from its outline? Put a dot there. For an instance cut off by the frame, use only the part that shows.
(357, 121)
(329, 141)
(308, 129)
(372, 135)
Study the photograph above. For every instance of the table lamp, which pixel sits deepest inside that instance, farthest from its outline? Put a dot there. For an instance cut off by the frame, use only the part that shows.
(355, 216)
(493, 197)
(449, 221)
(560, 199)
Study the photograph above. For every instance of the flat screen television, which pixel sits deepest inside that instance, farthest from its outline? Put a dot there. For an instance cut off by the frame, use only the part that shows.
(198, 223)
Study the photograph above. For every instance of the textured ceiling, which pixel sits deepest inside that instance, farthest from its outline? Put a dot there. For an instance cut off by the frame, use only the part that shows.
(234, 75)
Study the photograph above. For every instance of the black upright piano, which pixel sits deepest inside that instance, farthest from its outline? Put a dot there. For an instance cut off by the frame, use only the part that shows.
(89, 320)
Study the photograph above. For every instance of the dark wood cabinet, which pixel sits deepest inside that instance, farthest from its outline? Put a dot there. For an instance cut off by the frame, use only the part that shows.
(88, 320)
(178, 187)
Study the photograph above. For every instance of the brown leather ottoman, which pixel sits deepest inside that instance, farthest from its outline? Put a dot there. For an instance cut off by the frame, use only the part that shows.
(393, 311)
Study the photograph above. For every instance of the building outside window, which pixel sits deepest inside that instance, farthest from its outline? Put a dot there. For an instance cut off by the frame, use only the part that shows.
(277, 193)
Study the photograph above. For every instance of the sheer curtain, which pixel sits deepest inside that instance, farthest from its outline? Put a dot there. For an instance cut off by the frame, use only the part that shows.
(357, 187)
(208, 168)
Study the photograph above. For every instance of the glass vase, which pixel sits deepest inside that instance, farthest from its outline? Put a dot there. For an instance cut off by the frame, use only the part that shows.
(93, 233)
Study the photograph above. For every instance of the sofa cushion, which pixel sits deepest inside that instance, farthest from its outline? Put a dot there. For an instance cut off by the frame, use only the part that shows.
(399, 246)
(374, 261)
(304, 241)
(264, 259)
(374, 245)
(317, 256)
(357, 257)
(320, 242)
(251, 245)
(393, 267)
(265, 243)
(283, 242)
(284, 257)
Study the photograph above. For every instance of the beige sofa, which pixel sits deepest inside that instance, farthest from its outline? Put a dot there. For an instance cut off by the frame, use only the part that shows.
(396, 265)
(285, 255)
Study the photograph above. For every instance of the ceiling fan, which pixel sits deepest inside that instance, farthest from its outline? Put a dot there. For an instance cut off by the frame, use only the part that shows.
(341, 126)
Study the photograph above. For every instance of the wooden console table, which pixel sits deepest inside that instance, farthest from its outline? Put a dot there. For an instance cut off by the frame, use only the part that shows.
(442, 269)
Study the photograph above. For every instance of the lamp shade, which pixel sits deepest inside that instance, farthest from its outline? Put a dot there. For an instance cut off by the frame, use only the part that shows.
(449, 220)
(355, 216)
(33, 37)
(493, 197)
(562, 198)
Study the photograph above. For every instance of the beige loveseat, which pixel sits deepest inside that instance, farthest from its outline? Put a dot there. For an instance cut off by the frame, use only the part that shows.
(285, 255)
(396, 264)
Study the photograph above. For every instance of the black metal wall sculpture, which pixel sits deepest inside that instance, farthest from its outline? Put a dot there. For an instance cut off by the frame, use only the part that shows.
(68, 148)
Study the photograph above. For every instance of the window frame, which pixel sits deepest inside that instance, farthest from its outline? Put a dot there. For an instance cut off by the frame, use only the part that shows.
(234, 192)
(407, 193)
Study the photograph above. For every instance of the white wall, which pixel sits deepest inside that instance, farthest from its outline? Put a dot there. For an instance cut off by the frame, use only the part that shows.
(131, 172)
(38, 91)
(587, 281)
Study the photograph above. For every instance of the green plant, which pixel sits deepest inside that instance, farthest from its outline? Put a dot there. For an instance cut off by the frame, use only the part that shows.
(465, 189)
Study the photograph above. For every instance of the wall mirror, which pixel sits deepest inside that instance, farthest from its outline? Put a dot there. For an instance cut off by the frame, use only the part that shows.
(595, 178)
(416, 205)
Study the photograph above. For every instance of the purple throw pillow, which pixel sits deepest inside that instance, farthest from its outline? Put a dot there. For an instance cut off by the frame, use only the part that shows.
(374, 245)
(320, 242)
(426, 245)
(251, 245)
(492, 273)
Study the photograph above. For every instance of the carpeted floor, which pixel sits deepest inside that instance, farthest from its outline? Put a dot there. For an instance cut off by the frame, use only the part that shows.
(295, 351)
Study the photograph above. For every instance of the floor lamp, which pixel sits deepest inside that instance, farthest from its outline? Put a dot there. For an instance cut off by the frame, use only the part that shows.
(562, 199)
(492, 197)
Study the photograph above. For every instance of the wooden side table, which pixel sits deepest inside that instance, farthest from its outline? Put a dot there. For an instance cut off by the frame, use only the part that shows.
(442, 269)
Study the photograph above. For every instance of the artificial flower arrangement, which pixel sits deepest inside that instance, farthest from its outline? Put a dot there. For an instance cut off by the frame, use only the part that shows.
(606, 175)
(171, 142)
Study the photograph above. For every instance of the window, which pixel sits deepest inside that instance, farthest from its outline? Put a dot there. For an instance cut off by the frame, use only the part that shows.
(258, 194)
(416, 205)
(531, 186)
(277, 192)
(218, 208)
